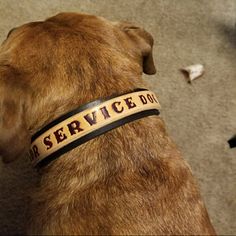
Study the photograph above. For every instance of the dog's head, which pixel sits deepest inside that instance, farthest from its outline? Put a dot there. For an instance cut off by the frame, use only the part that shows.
(48, 68)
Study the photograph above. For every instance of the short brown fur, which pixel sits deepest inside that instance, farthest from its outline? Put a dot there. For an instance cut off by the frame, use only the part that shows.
(131, 180)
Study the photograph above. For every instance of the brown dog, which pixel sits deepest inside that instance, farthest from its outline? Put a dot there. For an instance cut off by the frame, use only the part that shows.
(131, 180)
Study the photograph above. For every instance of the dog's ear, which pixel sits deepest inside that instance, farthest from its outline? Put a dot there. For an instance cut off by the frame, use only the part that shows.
(14, 135)
(143, 43)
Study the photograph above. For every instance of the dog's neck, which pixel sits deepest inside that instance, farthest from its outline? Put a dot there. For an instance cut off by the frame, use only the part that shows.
(79, 126)
(103, 158)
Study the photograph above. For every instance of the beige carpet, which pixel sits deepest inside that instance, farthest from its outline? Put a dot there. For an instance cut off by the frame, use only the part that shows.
(200, 117)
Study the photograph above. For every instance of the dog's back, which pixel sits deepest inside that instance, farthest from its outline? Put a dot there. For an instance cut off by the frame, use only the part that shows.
(131, 180)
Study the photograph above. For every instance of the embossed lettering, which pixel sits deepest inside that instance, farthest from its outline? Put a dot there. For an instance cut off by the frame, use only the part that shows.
(91, 120)
(154, 98)
(105, 112)
(143, 99)
(60, 136)
(73, 126)
(47, 142)
(150, 98)
(34, 152)
(129, 102)
(115, 108)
